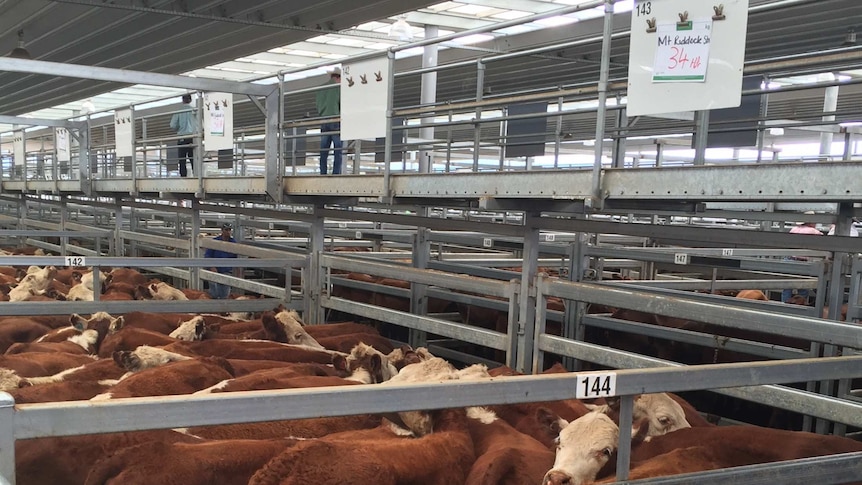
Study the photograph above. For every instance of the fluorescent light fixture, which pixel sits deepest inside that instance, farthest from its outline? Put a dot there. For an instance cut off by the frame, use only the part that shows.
(776, 131)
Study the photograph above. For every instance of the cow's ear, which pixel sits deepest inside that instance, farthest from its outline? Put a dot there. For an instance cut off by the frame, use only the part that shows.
(376, 364)
(340, 363)
(78, 322)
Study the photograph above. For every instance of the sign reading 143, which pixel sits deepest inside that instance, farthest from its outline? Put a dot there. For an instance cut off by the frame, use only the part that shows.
(644, 8)
(591, 386)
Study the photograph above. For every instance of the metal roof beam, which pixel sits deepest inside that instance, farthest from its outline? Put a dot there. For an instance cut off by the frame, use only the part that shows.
(130, 77)
(531, 6)
(18, 120)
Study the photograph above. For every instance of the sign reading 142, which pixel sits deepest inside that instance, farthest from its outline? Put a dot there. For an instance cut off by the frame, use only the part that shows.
(591, 386)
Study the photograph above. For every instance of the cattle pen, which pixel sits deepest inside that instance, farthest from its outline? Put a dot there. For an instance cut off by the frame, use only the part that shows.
(550, 246)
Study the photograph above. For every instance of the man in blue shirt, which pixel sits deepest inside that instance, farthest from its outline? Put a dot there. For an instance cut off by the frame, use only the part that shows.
(218, 290)
(328, 103)
(185, 123)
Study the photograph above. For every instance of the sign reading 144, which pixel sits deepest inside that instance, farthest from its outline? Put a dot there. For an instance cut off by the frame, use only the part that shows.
(601, 384)
(682, 51)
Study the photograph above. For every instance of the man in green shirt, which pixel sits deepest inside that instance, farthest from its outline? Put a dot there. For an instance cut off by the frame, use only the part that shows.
(185, 123)
(328, 105)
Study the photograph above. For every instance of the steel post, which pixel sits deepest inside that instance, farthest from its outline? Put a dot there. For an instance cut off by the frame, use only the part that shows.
(314, 278)
(601, 112)
(274, 171)
(64, 218)
(7, 438)
(701, 136)
(624, 448)
(419, 292)
(194, 247)
(830, 104)
(477, 131)
(427, 96)
(527, 297)
(387, 148)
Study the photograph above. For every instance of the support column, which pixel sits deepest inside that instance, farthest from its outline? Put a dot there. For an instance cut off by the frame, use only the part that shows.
(194, 244)
(118, 226)
(64, 218)
(477, 131)
(387, 146)
(526, 328)
(619, 152)
(85, 159)
(428, 96)
(133, 227)
(418, 293)
(315, 279)
(601, 112)
(830, 104)
(7, 438)
(700, 137)
(761, 124)
(272, 147)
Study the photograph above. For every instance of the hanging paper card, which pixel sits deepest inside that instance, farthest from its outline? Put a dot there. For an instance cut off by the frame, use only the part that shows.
(61, 142)
(682, 52)
(19, 153)
(218, 121)
(124, 132)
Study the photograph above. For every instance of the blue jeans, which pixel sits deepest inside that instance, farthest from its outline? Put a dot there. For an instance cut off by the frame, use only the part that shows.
(219, 291)
(335, 140)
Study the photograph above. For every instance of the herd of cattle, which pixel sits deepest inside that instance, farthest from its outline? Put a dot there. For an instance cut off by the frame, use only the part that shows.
(139, 354)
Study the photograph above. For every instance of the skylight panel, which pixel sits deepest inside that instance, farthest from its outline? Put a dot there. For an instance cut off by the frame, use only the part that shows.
(516, 29)
(440, 7)
(475, 10)
(349, 42)
(305, 53)
(555, 21)
(473, 39)
(510, 15)
(372, 26)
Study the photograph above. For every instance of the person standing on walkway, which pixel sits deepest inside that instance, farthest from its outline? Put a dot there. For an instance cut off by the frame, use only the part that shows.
(185, 123)
(801, 228)
(218, 290)
(328, 102)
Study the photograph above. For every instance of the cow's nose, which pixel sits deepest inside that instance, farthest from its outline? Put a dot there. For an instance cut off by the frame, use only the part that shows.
(555, 477)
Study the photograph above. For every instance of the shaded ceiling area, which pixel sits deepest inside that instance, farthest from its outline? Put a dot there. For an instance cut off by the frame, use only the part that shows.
(129, 35)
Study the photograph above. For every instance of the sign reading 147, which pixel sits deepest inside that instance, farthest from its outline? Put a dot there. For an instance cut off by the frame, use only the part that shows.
(601, 384)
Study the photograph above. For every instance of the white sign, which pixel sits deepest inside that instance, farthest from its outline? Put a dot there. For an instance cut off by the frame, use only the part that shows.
(487, 242)
(680, 258)
(218, 121)
(550, 237)
(592, 386)
(19, 153)
(364, 91)
(62, 145)
(124, 132)
(727, 252)
(682, 52)
(695, 76)
(76, 261)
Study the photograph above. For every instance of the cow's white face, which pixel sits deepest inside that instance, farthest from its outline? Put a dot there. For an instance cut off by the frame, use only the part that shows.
(664, 414)
(432, 370)
(145, 357)
(296, 335)
(38, 280)
(190, 330)
(164, 291)
(9, 380)
(585, 446)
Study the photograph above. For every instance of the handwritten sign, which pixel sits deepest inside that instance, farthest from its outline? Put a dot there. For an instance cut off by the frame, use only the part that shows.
(682, 53)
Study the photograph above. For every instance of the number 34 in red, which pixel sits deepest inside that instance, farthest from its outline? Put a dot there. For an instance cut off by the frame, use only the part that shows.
(680, 59)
